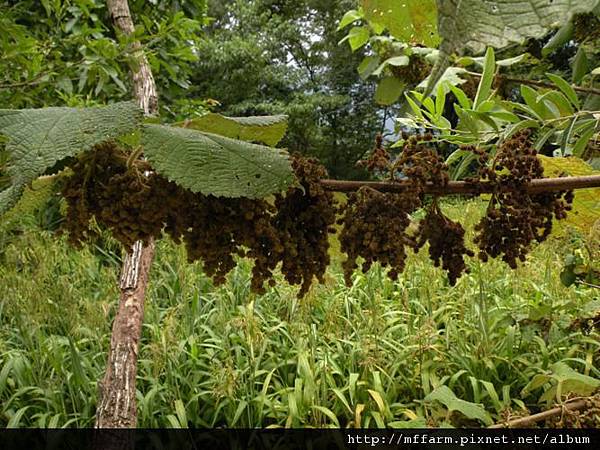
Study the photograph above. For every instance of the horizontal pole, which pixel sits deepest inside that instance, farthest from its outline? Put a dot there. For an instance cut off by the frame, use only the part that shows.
(463, 187)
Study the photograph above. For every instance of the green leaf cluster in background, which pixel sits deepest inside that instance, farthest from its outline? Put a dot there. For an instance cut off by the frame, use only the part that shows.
(268, 130)
(57, 52)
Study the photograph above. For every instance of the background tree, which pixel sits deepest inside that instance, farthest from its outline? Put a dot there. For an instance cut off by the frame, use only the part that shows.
(66, 51)
(278, 56)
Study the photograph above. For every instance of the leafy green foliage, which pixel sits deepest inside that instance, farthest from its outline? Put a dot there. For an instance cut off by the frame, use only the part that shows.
(369, 354)
(586, 206)
(39, 138)
(33, 199)
(446, 397)
(66, 52)
(562, 123)
(564, 380)
(261, 57)
(268, 130)
(577, 268)
(389, 90)
(213, 164)
(413, 21)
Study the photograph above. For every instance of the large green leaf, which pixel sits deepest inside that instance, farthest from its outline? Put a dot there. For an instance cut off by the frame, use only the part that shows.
(39, 138)
(412, 21)
(569, 381)
(477, 24)
(446, 397)
(217, 165)
(389, 90)
(268, 130)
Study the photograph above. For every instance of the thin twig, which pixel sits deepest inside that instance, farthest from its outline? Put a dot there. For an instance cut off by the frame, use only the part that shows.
(587, 284)
(35, 80)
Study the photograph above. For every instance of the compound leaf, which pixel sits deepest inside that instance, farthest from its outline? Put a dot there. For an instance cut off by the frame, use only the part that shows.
(39, 138)
(214, 164)
(268, 130)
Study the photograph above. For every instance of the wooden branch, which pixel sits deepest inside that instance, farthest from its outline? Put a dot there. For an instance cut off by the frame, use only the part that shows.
(463, 187)
(144, 86)
(538, 83)
(117, 407)
(528, 421)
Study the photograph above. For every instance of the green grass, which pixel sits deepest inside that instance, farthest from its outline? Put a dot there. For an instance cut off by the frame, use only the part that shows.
(367, 355)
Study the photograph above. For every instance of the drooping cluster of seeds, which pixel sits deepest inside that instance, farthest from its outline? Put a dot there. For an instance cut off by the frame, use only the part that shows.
(305, 217)
(375, 228)
(379, 159)
(121, 199)
(516, 218)
(446, 242)
(216, 230)
(376, 223)
(135, 204)
(420, 163)
(292, 230)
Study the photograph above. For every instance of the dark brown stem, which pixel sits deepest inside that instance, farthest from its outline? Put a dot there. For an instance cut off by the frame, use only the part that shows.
(463, 187)
(543, 84)
(117, 403)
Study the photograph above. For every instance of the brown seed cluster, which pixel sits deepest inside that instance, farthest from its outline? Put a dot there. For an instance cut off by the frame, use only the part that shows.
(416, 71)
(379, 159)
(514, 218)
(120, 198)
(305, 217)
(375, 228)
(135, 203)
(137, 206)
(216, 230)
(446, 242)
(375, 224)
(420, 162)
(586, 417)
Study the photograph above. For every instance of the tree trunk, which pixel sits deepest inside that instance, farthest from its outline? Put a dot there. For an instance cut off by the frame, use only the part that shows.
(116, 400)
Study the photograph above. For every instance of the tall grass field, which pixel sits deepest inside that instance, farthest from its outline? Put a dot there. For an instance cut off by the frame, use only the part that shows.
(412, 353)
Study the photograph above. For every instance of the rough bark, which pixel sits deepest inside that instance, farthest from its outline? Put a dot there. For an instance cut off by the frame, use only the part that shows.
(144, 88)
(117, 406)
